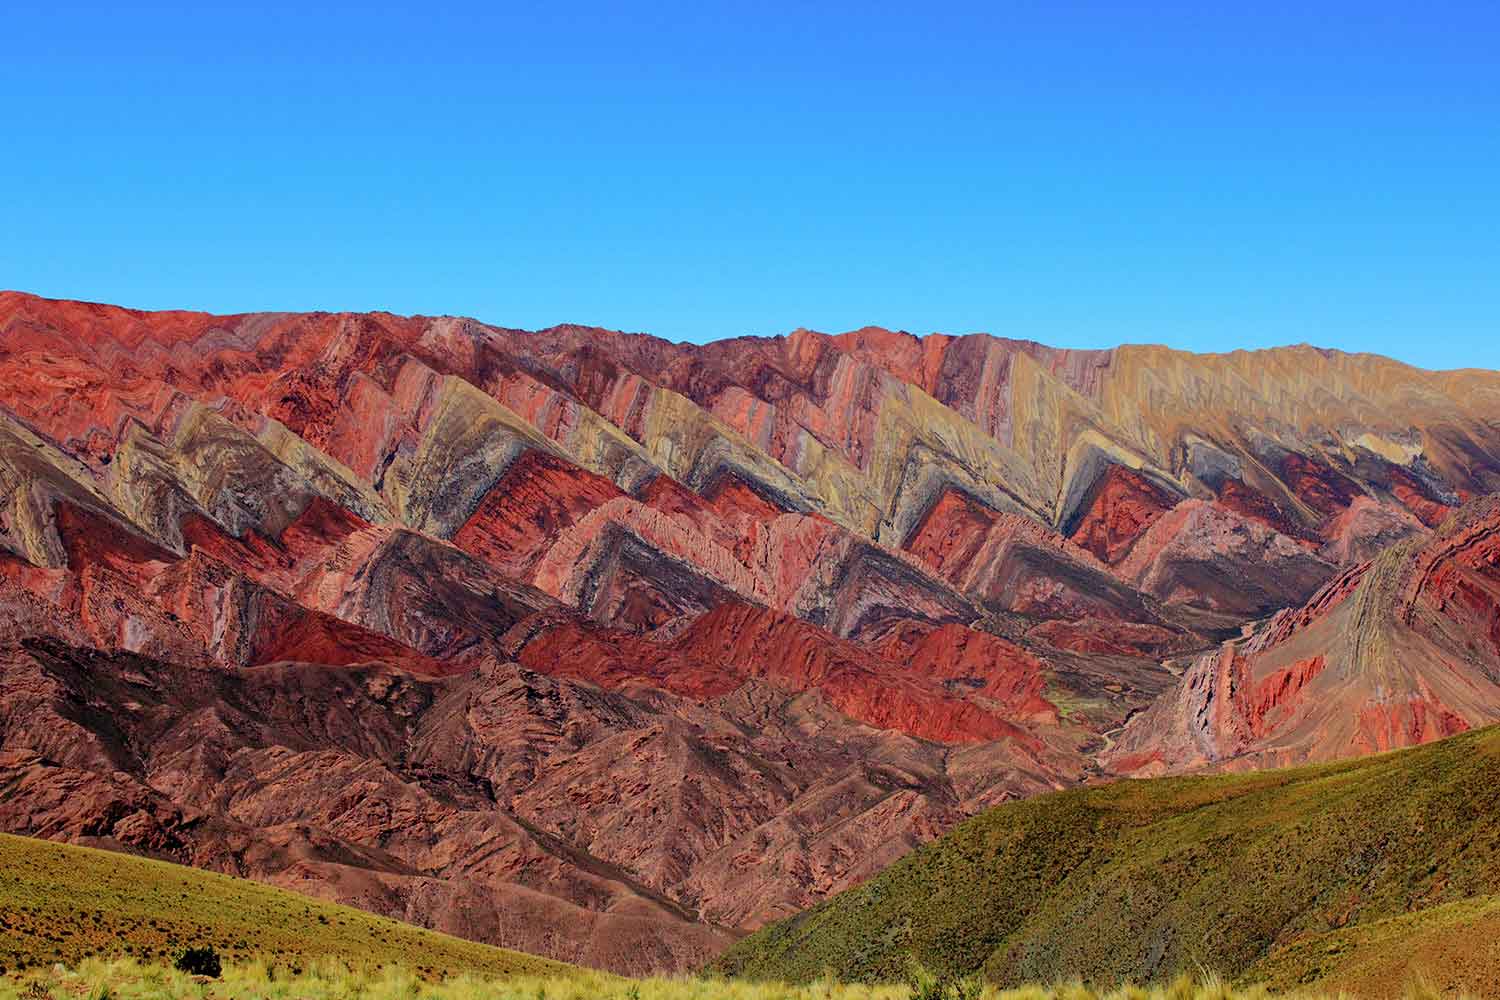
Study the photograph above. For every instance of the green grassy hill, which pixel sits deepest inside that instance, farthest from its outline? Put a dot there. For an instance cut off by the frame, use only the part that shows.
(61, 904)
(1294, 876)
(77, 923)
(82, 924)
(1452, 947)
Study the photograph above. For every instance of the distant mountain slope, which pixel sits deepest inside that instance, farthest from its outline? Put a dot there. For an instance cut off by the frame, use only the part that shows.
(1139, 879)
(1395, 652)
(62, 903)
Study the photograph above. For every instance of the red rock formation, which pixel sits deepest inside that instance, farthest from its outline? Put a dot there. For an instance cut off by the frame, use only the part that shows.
(1399, 651)
(1247, 502)
(601, 641)
(949, 538)
(1315, 484)
(557, 817)
(1364, 529)
(1002, 671)
(1099, 635)
(1405, 488)
(1013, 564)
(522, 515)
(1121, 506)
(719, 651)
(1278, 691)
(1385, 726)
(1210, 557)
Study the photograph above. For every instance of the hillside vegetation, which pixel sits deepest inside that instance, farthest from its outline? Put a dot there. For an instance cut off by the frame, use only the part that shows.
(62, 904)
(1451, 947)
(1302, 876)
(78, 923)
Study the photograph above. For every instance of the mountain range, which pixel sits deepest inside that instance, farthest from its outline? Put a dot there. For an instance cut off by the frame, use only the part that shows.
(613, 650)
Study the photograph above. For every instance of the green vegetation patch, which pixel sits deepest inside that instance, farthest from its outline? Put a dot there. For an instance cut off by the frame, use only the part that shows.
(1453, 949)
(62, 904)
(1138, 880)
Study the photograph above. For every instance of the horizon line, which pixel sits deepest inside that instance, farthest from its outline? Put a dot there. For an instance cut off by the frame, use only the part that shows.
(867, 327)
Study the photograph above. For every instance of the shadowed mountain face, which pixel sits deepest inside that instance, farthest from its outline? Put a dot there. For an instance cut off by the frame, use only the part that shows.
(612, 649)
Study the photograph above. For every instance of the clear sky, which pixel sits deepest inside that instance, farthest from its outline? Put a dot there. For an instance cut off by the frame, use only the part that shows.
(1208, 175)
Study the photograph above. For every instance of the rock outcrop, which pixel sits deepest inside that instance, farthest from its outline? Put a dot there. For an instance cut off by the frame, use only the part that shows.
(1397, 651)
(610, 648)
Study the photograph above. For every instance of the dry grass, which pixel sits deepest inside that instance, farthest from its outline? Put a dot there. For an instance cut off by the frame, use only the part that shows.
(331, 979)
(63, 904)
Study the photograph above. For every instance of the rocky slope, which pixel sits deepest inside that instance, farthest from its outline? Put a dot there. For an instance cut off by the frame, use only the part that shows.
(612, 649)
(1396, 651)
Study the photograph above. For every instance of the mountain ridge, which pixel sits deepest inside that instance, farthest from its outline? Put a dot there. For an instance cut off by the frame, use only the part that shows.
(794, 605)
(874, 329)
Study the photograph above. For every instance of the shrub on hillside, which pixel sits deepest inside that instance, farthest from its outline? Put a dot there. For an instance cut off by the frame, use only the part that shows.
(928, 985)
(200, 962)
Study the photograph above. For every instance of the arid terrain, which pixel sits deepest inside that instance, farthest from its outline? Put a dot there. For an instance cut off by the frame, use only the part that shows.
(613, 650)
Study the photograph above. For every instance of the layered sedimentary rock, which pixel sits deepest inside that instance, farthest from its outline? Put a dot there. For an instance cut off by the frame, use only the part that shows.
(1397, 651)
(610, 648)
(627, 827)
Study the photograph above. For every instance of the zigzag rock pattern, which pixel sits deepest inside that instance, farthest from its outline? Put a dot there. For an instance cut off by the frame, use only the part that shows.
(611, 649)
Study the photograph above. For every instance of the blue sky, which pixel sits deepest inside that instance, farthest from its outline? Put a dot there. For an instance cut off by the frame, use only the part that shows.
(1208, 175)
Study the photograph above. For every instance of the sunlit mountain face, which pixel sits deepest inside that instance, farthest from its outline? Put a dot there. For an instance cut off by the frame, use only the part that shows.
(611, 649)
